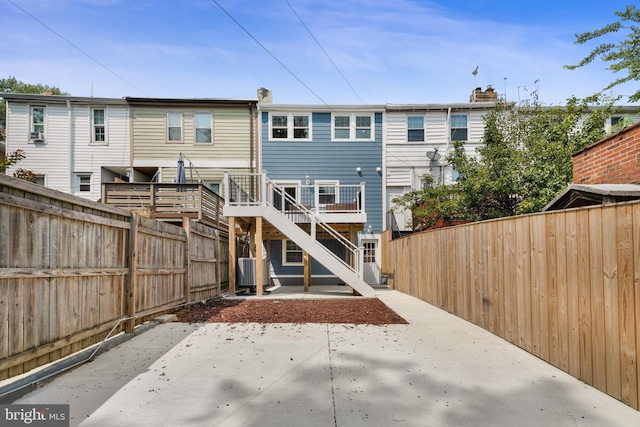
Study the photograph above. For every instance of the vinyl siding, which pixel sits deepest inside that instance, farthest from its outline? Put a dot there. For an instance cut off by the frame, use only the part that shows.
(67, 149)
(91, 158)
(50, 158)
(231, 136)
(324, 159)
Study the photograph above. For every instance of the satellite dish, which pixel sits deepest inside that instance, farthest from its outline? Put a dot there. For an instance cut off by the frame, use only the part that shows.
(433, 155)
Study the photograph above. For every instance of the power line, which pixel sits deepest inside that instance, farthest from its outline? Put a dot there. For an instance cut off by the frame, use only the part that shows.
(324, 51)
(269, 52)
(299, 79)
(75, 46)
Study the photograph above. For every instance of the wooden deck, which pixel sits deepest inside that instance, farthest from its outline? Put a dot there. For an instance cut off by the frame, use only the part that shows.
(167, 202)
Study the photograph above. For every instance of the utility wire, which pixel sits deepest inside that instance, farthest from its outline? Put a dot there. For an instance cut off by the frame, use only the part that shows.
(75, 46)
(325, 52)
(269, 52)
(298, 78)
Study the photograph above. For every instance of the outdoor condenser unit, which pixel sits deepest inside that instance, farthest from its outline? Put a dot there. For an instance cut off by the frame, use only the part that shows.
(247, 272)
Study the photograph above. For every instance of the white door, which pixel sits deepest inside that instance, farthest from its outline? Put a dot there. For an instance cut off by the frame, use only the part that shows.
(371, 258)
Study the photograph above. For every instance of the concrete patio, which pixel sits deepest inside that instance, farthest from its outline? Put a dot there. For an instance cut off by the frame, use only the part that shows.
(438, 370)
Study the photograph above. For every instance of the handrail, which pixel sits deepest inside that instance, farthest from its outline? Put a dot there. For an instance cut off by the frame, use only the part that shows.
(316, 221)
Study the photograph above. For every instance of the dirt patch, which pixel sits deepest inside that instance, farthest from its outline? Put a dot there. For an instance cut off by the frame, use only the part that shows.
(368, 311)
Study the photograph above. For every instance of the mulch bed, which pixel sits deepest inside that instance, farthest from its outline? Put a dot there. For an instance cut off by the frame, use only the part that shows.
(368, 311)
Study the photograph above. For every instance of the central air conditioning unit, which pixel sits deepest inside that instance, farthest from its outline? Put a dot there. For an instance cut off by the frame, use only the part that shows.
(247, 273)
(36, 136)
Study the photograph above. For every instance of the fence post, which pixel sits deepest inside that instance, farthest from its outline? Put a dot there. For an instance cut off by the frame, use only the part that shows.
(186, 224)
(130, 299)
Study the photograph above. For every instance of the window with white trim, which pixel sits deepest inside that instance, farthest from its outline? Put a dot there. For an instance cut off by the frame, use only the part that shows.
(289, 126)
(291, 253)
(352, 127)
(328, 192)
(41, 179)
(415, 128)
(37, 119)
(459, 131)
(84, 182)
(369, 252)
(204, 126)
(98, 126)
(174, 127)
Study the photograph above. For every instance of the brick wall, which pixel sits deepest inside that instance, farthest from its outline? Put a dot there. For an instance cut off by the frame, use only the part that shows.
(612, 160)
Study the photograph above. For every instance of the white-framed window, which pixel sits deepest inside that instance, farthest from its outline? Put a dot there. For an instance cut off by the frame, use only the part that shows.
(459, 131)
(328, 193)
(369, 252)
(291, 253)
(98, 126)
(352, 127)
(41, 179)
(204, 127)
(290, 126)
(415, 128)
(83, 181)
(174, 127)
(37, 123)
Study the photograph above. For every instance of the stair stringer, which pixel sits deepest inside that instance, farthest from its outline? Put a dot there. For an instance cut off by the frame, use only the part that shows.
(317, 251)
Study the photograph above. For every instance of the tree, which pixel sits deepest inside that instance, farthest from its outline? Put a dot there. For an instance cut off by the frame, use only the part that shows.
(623, 55)
(525, 160)
(432, 203)
(12, 85)
(13, 158)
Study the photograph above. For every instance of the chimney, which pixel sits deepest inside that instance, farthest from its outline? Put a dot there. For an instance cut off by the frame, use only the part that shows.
(489, 95)
(264, 96)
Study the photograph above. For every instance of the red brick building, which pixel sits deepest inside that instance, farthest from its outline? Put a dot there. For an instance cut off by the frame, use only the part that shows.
(612, 160)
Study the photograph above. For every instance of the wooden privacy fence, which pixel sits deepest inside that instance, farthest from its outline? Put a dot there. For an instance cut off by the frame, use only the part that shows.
(564, 286)
(72, 269)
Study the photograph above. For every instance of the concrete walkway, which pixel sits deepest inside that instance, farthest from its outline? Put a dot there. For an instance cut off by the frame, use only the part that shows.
(437, 371)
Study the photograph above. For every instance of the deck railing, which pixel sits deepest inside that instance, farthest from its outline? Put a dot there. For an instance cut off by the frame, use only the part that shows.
(248, 189)
(167, 201)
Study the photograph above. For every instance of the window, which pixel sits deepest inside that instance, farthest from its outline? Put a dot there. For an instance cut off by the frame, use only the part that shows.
(41, 179)
(84, 182)
(290, 126)
(174, 127)
(37, 119)
(98, 133)
(327, 193)
(341, 126)
(352, 127)
(454, 175)
(369, 253)
(213, 186)
(415, 128)
(292, 253)
(458, 127)
(203, 123)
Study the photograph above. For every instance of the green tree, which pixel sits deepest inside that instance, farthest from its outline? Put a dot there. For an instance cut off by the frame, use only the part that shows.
(13, 158)
(12, 85)
(430, 204)
(526, 160)
(623, 55)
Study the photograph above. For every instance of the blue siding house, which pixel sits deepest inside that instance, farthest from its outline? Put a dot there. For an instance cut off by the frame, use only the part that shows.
(328, 158)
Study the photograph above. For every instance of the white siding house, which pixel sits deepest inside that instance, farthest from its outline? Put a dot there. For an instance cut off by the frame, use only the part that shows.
(419, 137)
(72, 144)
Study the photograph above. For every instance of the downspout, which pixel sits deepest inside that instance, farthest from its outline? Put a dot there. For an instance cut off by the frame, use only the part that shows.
(252, 135)
(446, 151)
(131, 173)
(71, 150)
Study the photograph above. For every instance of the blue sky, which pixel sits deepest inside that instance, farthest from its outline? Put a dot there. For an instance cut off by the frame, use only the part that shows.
(400, 51)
